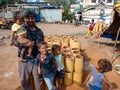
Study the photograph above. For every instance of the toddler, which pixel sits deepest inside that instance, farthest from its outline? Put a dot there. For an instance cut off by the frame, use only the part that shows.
(19, 35)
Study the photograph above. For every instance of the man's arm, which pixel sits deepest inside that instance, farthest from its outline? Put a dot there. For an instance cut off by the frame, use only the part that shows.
(40, 36)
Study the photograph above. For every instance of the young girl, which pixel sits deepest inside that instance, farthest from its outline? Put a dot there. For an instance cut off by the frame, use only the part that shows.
(19, 32)
(47, 65)
(56, 49)
(97, 76)
(91, 26)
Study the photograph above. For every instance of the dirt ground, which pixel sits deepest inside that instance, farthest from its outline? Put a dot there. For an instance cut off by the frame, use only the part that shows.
(9, 78)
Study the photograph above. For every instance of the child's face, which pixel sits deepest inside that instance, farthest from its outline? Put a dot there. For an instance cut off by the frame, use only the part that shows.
(20, 21)
(56, 52)
(43, 49)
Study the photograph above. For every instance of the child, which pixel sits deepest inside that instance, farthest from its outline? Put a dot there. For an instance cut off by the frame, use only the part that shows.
(91, 26)
(56, 49)
(47, 65)
(97, 76)
(19, 32)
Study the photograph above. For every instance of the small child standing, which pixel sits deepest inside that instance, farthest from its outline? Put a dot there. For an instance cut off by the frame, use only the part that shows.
(97, 76)
(91, 27)
(19, 32)
(56, 49)
(46, 65)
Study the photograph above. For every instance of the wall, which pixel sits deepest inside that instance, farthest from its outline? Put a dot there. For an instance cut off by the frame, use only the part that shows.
(51, 15)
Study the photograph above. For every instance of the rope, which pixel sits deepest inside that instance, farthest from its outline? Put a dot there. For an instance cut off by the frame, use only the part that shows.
(115, 46)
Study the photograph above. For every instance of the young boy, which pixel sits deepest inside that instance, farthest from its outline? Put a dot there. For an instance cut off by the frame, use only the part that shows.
(97, 75)
(56, 50)
(91, 26)
(46, 65)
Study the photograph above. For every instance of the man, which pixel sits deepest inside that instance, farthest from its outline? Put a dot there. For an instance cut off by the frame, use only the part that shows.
(29, 65)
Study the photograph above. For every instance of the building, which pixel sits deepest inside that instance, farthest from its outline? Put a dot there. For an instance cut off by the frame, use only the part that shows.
(85, 3)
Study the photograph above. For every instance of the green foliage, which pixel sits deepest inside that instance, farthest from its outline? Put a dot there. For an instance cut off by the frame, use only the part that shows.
(66, 15)
(4, 2)
(62, 2)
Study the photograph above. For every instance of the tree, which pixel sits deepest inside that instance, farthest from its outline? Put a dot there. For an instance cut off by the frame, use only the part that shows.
(62, 2)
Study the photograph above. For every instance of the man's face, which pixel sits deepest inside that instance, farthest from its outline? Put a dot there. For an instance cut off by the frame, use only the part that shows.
(30, 21)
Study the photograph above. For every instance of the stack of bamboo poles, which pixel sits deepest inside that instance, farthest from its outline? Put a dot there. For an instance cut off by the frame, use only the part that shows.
(72, 59)
(100, 25)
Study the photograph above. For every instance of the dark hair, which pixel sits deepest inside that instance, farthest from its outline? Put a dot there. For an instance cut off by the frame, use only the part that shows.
(17, 15)
(42, 43)
(104, 65)
(29, 14)
(92, 19)
(55, 47)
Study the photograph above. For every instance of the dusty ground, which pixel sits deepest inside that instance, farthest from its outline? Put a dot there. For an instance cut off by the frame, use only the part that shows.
(9, 79)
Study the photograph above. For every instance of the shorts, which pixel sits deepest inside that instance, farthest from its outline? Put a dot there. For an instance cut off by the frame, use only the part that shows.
(59, 74)
(93, 87)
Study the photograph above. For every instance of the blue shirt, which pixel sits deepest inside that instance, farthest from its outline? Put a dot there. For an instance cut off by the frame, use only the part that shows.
(47, 66)
(36, 36)
(96, 78)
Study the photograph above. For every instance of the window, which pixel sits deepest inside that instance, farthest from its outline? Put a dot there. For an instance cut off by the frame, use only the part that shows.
(109, 1)
(93, 1)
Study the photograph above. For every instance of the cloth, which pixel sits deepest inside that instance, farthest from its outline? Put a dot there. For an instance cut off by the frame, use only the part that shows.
(47, 66)
(89, 33)
(92, 87)
(91, 26)
(59, 74)
(27, 68)
(96, 79)
(19, 29)
(60, 65)
(49, 82)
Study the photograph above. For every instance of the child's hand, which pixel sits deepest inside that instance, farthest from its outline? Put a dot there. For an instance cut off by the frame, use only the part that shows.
(84, 84)
(111, 87)
(11, 43)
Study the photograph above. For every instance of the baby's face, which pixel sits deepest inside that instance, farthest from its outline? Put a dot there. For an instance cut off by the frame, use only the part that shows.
(20, 21)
